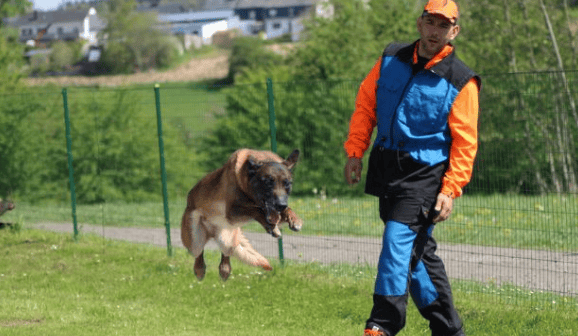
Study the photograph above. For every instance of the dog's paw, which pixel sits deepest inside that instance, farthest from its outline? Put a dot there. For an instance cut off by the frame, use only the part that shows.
(265, 265)
(200, 271)
(275, 232)
(224, 271)
(294, 221)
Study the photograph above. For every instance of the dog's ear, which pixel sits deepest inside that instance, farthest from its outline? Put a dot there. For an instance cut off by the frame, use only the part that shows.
(252, 166)
(292, 160)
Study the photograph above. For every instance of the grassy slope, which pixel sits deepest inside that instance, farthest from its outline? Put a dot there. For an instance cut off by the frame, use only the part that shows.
(50, 285)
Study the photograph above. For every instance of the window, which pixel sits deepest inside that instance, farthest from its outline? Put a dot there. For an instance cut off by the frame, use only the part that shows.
(60, 31)
(276, 25)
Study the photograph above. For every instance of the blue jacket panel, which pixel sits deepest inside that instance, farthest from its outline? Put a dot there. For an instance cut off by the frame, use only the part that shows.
(412, 111)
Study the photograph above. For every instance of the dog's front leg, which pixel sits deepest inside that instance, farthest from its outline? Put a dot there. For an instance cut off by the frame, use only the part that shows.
(272, 229)
(261, 218)
(295, 222)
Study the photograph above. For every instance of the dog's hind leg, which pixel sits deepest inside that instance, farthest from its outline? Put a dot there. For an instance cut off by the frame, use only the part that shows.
(194, 237)
(245, 252)
(225, 267)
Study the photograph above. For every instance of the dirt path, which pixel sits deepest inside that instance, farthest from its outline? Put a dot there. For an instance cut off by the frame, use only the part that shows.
(195, 70)
(537, 270)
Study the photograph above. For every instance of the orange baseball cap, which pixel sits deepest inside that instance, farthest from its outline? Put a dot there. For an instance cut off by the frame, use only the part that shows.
(445, 8)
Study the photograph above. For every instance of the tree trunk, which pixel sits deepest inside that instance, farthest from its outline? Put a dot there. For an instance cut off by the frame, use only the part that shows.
(528, 35)
(565, 149)
(512, 48)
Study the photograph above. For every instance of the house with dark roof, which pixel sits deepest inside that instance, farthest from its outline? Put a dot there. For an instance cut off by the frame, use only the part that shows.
(66, 25)
(202, 24)
(276, 18)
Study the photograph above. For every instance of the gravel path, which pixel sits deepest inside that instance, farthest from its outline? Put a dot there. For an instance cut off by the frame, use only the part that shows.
(538, 270)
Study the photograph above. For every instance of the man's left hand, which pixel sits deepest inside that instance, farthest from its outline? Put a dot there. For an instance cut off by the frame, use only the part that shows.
(444, 206)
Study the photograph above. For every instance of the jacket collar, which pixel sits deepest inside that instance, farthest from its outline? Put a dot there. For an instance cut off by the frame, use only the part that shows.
(447, 50)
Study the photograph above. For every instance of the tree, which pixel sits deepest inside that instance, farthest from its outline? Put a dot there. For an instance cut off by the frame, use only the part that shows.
(11, 8)
(347, 44)
(133, 40)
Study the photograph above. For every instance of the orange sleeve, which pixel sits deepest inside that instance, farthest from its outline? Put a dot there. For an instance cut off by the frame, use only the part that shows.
(364, 119)
(463, 123)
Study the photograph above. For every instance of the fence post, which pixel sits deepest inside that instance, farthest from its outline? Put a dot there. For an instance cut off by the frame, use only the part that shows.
(70, 167)
(273, 129)
(163, 170)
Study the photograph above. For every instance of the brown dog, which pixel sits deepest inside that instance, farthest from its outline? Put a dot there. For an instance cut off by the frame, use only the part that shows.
(252, 185)
(5, 206)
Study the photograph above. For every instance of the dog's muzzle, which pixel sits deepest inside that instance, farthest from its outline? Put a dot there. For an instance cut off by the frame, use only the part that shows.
(281, 203)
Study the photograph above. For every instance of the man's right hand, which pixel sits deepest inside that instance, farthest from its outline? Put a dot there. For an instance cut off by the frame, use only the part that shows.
(353, 170)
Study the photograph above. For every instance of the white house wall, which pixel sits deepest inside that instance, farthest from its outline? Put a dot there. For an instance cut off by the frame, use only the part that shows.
(210, 29)
(296, 29)
(277, 27)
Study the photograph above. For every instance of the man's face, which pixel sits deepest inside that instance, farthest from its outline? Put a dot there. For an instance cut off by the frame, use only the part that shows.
(435, 32)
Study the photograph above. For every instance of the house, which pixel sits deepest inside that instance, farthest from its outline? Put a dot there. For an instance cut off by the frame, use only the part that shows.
(67, 25)
(272, 18)
(276, 18)
(202, 24)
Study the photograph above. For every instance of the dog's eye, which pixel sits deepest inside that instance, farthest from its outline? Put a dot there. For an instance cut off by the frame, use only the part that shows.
(287, 184)
(269, 181)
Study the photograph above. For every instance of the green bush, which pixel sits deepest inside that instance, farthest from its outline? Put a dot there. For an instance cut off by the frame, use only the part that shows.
(62, 56)
(39, 63)
(249, 53)
(114, 146)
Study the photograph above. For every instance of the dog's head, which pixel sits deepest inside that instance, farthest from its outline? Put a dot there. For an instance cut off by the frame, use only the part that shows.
(271, 183)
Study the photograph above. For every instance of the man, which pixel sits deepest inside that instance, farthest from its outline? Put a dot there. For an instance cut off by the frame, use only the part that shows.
(424, 102)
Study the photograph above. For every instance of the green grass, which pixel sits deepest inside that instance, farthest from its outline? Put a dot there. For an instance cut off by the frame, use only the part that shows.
(51, 285)
(532, 222)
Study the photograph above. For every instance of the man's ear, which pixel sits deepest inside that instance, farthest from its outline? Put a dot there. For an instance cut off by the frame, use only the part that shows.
(454, 32)
(292, 159)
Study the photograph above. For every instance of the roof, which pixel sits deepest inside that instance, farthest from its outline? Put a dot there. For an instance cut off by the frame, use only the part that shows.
(273, 3)
(45, 18)
(164, 7)
(198, 16)
(219, 4)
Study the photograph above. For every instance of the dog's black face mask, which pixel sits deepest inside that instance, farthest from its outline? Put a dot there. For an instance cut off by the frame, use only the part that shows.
(271, 184)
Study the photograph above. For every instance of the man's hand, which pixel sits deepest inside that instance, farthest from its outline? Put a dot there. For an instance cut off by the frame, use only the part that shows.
(444, 206)
(353, 170)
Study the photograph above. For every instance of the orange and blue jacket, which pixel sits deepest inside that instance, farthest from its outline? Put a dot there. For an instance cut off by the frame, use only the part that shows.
(429, 118)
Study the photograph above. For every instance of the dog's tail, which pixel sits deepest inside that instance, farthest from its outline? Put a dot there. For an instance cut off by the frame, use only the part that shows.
(245, 252)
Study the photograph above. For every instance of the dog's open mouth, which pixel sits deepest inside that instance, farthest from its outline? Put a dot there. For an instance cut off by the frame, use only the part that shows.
(273, 216)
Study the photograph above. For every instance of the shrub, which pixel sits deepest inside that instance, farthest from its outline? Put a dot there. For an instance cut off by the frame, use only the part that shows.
(114, 145)
(62, 56)
(249, 53)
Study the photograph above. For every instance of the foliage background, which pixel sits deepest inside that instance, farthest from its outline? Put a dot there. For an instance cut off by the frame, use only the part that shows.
(529, 117)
